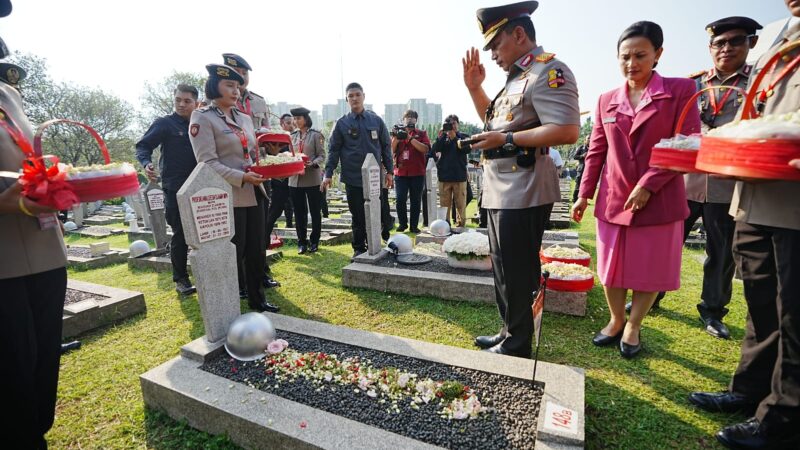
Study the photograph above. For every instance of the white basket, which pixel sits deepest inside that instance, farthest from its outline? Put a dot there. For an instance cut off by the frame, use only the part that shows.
(475, 264)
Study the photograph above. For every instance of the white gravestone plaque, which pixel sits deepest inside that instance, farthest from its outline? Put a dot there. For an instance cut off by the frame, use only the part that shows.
(155, 198)
(210, 214)
(374, 183)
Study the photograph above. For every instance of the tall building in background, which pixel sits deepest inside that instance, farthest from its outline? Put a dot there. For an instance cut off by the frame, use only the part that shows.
(393, 112)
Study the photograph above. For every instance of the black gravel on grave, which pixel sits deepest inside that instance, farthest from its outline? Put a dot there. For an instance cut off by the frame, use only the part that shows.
(512, 423)
(75, 296)
(437, 264)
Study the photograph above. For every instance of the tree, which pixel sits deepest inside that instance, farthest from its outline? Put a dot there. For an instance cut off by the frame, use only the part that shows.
(157, 99)
(110, 116)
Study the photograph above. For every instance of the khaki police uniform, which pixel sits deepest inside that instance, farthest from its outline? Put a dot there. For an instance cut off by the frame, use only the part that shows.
(767, 250)
(33, 283)
(313, 146)
(518, 193)
(258, 107)
(709, 197)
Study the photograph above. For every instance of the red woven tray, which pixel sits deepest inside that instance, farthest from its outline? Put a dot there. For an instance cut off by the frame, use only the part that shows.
(678, 160)
(750, 158)
(104, 188)
(547, 259)
(570, 285)
(280, 170)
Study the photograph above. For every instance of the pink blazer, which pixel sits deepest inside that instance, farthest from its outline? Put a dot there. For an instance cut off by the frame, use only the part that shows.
(619, 152)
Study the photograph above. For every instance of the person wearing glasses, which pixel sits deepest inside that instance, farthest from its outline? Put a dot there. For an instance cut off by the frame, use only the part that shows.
(708, 197)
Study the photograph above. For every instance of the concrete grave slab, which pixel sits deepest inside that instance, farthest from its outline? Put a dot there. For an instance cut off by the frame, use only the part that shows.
(327, 236)
(101, 220)
(81, 256)
(109, 306)
(96, 231)
(259, 420)
(162, 263)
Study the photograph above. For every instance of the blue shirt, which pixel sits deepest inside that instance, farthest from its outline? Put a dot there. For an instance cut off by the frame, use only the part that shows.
(177, 157)
(353, 138)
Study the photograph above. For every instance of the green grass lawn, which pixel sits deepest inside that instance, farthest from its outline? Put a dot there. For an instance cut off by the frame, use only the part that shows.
(638, 404)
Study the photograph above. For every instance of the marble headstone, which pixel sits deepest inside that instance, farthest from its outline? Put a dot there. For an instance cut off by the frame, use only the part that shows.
(432, 185)
(205, 202)
(77, 214)
(371, 182)
(154, 206)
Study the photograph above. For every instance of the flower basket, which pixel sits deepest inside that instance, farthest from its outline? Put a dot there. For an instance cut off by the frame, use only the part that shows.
(566, 277)
(765, 158)
(580, 261)
(267, 169)
(484, 263)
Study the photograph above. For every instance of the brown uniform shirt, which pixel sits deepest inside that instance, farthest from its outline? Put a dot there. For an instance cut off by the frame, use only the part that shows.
(539, 90)
(25, 249)
(215, 142)
(313, 146)
(700, 187)
(773, 203)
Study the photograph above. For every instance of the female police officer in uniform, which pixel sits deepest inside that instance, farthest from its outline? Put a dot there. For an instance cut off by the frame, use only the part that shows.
(223, 138)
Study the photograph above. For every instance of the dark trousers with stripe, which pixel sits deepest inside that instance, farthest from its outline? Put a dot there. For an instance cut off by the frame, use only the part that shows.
(31, 309)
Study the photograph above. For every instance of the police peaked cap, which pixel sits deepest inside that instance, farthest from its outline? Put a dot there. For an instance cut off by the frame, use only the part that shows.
(492, 20)
(223, 72)
(234, 60)
(12, 74)
(297, 112)
(733, 23)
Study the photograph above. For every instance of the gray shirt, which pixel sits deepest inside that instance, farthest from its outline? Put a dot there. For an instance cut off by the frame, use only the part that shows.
(353, 137)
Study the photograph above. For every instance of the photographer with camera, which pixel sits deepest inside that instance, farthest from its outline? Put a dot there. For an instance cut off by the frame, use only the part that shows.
(451, 164)
(409, 148)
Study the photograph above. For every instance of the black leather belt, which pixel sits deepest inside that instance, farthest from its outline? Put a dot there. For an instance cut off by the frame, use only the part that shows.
(497, 153)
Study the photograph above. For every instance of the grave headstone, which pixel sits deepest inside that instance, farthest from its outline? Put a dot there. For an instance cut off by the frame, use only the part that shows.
(139, 209)
(205, 202)
(99, 248)
(77, 215)
(154, 205)
(432, 185)
(371, 182)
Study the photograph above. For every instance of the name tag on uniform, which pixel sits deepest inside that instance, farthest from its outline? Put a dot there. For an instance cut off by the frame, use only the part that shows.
(517, 87)
(227, 131)
(609, 119)
(374, 134)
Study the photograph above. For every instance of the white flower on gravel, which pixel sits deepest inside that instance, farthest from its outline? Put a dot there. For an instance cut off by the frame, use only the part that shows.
(372, 393)
(567, 271)
(328, 376)
(467, 243)
(402, 380)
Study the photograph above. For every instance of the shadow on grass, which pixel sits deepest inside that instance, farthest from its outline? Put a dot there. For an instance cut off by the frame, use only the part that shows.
(164, 433)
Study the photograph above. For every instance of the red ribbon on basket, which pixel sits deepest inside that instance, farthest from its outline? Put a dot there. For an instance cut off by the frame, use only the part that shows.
(46, 185)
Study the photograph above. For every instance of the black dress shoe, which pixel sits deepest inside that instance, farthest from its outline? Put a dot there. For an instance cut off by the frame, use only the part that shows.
(313, 248)
(726, 402)
(488, 341)
(265, 306)
(183, 287)
(401, 228)
(301, 249)
(751, 435)
(656, 304)
(716, 328)
(269, 282)
(385, 235)
(499, 350)
(628, 351)
(602, 340)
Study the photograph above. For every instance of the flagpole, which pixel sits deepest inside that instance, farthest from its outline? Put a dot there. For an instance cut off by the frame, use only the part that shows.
(543, 290)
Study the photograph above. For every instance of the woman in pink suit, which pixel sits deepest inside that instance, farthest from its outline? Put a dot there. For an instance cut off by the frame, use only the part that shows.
(640, 209)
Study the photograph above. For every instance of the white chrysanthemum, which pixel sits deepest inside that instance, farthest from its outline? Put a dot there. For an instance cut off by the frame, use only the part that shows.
(96, 170)
(773, 126)
(556, 251)
(467, 243)
(681, 142)
(280, 158)
(567, 271)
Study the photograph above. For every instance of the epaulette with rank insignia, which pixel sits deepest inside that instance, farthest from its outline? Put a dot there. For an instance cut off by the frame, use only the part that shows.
(545, 57)
(697, 74)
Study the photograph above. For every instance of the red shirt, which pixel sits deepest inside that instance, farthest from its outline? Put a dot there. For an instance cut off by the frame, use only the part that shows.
(408, 161)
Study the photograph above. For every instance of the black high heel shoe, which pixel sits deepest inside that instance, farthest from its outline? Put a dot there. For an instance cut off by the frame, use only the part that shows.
(628, 351)
(602, 340)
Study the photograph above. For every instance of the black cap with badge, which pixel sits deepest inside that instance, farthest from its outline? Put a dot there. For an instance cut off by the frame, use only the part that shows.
(491, 20)
(223, 72)
(12, 74)
(720, 26)
(234, 60)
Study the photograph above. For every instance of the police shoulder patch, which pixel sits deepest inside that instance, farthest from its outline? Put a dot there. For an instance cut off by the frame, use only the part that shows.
(545, 57)
(194, 129)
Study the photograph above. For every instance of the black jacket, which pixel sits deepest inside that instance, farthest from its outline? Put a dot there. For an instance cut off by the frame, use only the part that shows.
(452, 165)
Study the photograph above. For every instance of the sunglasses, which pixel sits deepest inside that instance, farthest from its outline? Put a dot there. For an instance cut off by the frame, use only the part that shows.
(736, 41)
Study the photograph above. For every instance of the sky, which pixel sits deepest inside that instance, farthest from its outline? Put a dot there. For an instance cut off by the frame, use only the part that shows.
(303, 52)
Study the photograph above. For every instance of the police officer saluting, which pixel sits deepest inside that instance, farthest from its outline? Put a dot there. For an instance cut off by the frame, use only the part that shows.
(710, 197)
(537, 108)
(766, 247)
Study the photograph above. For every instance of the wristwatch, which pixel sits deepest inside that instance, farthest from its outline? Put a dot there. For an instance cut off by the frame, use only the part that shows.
(509, 145)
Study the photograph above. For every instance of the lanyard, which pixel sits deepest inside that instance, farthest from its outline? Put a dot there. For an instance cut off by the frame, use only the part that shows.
(246, 108)
(8, 124)
(717, 108)
(302, 143)
(240, 134)
(766, 93)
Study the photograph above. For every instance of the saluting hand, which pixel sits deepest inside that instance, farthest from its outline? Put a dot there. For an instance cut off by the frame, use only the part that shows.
(474, 72)
(638, 199)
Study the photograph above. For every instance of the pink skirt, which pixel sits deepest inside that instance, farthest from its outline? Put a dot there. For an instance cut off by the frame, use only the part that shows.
(641, 258)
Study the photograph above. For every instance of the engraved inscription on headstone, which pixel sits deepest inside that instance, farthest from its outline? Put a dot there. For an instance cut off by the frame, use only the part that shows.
(370, 182)
(155, 198)
(210, 213)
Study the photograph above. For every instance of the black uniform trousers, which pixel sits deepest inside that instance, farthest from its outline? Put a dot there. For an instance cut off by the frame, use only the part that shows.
(769, 368)
(307, 201)
(31, 309)
(277, 205)
(718, 268)
(575, 191)
(515, 238)
(324, 203)
(178, 250)
(251, 248)
(387, 221)
(355, 203)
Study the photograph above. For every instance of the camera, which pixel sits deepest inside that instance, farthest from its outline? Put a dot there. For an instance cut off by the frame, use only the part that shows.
(401, 131)
(447, 126)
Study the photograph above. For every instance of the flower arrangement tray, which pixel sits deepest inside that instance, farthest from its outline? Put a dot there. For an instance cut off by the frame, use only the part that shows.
(678, 160)
(280, 170)
(582, 261)
(104, 188)
(749, 158)
(515, 401)
(570, 285)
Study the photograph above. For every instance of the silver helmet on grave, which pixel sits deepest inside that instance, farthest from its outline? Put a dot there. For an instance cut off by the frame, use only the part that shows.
(249, 335)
